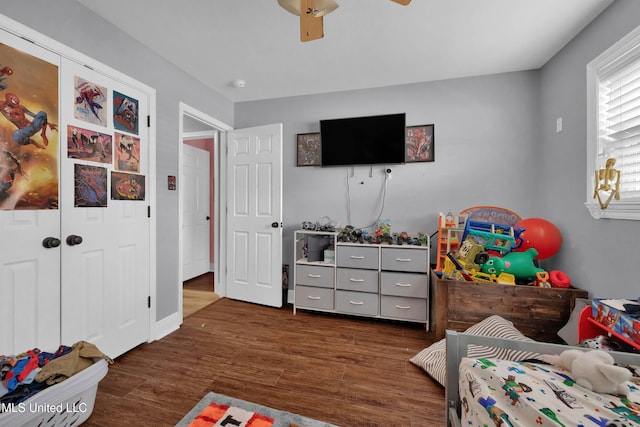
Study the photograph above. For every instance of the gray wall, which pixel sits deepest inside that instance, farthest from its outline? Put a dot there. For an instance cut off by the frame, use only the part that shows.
(599, 255)
(71, 24)
(496, 144)
(486, 137)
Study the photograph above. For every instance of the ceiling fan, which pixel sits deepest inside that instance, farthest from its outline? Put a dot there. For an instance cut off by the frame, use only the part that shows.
(311, 13)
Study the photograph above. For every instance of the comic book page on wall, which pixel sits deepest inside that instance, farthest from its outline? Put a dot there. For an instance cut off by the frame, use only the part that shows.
(90, 99)
(28, 131)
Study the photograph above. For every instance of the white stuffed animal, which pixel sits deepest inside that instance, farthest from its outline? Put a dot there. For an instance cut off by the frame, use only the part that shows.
(593, 370)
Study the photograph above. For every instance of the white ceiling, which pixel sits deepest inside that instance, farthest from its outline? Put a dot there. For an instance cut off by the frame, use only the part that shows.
(367, 43)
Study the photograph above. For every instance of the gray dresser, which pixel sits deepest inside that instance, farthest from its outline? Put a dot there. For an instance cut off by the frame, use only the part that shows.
(383, 281)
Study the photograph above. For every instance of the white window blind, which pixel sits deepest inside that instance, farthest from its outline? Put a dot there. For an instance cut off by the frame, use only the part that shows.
(620, 129)
(613, 97)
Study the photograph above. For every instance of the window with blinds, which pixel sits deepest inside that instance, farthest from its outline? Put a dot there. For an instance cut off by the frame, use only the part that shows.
(614, 127)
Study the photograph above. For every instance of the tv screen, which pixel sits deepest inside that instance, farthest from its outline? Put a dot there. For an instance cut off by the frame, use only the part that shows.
(367, 140)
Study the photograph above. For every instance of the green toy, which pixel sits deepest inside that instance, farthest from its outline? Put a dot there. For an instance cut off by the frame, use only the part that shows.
(520, 264)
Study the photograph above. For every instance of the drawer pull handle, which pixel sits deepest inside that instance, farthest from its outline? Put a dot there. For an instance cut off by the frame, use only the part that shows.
(314, 276)
(356, 302)
(356, 280)
(404, 285)
(403, 307)
(403, 259)
(312, 297)
(356, 257)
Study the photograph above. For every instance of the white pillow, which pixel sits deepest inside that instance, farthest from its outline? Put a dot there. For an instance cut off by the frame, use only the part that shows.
(433, 358)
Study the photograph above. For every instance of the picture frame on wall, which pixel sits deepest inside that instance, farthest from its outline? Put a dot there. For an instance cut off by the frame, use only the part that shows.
(309, 148)
(420, 144)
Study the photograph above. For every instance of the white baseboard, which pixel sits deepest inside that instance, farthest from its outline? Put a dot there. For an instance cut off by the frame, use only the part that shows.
(167, 325)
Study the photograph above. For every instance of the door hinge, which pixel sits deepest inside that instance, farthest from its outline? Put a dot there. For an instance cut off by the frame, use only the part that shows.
(149, 301)
(148, 121)
(148, 211)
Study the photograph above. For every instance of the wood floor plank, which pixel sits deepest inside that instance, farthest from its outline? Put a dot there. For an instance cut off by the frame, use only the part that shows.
(349, 371)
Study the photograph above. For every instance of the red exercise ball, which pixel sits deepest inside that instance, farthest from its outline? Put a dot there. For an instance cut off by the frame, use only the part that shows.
(541, 235)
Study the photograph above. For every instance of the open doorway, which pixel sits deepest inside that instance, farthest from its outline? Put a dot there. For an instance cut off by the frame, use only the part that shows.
(199, 222)
(198, 293)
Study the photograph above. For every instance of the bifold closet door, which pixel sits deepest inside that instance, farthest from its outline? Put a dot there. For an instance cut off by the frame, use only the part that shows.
(75, 252)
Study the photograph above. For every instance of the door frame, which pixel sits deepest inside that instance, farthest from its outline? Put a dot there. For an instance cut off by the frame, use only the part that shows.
(218, 132)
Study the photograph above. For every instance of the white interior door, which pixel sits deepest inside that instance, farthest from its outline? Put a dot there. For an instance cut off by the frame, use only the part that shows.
(29, 272)
(254, 215)
(196, 210)
(106, 276)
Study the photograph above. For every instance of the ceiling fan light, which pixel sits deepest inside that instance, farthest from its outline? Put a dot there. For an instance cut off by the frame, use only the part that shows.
(292, 6)
(323, 6)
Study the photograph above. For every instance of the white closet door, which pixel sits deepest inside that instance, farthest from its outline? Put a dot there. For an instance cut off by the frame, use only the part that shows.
(29, 272)
(106, 276)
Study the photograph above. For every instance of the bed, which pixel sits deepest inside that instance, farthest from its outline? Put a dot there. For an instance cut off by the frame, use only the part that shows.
(491, 391)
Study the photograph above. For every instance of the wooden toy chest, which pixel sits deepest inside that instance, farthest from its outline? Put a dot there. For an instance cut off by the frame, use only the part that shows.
(538, 313)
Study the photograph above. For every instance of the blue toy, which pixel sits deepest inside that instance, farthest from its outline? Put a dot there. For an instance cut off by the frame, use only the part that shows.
(498, 237)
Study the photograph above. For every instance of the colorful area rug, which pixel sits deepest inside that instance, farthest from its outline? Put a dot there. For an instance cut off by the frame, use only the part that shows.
(219, 410)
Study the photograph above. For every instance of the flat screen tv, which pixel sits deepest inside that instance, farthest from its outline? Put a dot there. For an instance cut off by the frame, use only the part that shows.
(369, 140)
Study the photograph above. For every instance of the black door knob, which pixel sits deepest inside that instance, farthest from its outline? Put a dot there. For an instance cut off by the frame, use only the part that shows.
(208, 218)
(51, 242)
(73, 240)
(275, 224)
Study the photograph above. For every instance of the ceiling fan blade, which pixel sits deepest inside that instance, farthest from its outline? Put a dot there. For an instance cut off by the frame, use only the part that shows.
(311, 27)
(402, 2)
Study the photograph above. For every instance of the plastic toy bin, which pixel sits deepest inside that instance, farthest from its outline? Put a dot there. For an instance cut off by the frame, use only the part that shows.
(68, 403)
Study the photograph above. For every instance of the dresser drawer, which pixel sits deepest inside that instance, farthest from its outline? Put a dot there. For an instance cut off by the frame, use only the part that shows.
(357, 303)
(404, 284)
(403, 308)
(397, 259)
(310, 297)
(353, 279)
(315, 275)
(357, 257)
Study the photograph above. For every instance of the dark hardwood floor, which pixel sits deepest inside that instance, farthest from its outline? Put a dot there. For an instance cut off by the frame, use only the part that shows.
(200, 283)
(349, 371)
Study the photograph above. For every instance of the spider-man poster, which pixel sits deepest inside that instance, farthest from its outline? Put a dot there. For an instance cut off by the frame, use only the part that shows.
(89, 145)
(28, 131)
(125, 113)
(127, 186)
(90, 186)
(90, 102)
(127, 153)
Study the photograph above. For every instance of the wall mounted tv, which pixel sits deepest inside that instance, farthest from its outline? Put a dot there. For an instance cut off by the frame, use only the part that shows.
(369, 140)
